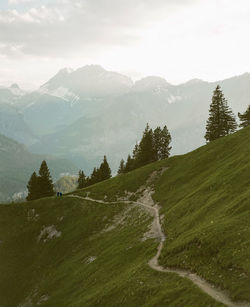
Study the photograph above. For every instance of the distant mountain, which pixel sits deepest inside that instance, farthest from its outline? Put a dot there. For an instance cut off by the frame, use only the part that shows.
(11, 94)
(87, 82)
(114, 131)
(152, 83)
(70, 95)
(83, 114)
(17, 164)
(13, 125)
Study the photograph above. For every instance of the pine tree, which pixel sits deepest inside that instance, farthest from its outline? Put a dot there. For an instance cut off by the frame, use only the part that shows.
(230, 124)
(129, 166)
(105, 171)
(81, 180)
(121, 167)
(245, 118)
(45, 183)
(32, 187)
(146, 152)
(94, 177)
(88, 181)
(221, 119)
(157, 135)
(165, 140)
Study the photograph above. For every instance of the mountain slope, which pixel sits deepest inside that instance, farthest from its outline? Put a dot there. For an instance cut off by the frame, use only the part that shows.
(70, 252)
(70, 95)
(17, 164)
(204, 196)
(13, 125)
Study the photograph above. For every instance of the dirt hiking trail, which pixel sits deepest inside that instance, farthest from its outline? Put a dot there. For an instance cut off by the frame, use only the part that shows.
(147, 202)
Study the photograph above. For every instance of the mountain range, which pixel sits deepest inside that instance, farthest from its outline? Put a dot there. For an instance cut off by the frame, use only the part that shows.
(83, 114)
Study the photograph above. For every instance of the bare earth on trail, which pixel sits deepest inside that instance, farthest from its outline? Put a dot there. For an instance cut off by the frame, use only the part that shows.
(147, 203)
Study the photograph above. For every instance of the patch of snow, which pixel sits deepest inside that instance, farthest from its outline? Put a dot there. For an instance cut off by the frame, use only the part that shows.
(60, 92)
(16, 91)
(48, 233)
(173, 99)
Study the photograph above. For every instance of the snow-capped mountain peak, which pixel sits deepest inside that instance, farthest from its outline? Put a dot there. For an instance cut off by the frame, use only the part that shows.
(16, 91)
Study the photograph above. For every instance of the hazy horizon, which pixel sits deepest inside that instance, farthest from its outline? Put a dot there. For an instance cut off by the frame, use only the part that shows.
(134, 79)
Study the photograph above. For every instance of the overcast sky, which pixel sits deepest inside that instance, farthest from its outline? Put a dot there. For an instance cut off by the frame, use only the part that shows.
(176, 39)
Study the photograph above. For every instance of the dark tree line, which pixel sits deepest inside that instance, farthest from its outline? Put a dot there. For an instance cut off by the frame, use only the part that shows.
(40, 185)
(245, 118)
(99, 174)
(222, 121)
(153, 146)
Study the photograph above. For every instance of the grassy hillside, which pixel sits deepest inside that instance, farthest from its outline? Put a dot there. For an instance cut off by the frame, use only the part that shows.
(205, 198)
(95, 256)
(17, 164)
(99, 253)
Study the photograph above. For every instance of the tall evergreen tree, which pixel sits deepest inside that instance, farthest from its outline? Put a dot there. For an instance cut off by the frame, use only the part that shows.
(245, 118)
(105, 171)
(45, 183)
(146, 152)
(157, 135)
(221, 119)
(121, 167)
(81, 180)
(32, 187)
(164, 147)
(94, 177)
(129, 166)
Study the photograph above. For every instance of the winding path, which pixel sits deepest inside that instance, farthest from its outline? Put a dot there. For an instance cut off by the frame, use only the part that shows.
(217, 294)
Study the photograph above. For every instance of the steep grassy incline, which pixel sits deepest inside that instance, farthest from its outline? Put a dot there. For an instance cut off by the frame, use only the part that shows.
(205, 198)
(70, 252)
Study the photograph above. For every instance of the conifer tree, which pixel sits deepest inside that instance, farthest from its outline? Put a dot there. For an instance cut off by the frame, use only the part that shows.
(245, 118)
(146, 152)
(121, 167)
(129, 164)
(157, 135)
(45, 183)
(32, 187)
(94, 177)
(88, 181)
(165, 140)
(81, 180)
(135, 158)
(104, 171)
(221, 119)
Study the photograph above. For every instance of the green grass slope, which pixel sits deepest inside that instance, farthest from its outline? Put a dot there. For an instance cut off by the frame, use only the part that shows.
(98, 257)
(93, 255)
(205, 198)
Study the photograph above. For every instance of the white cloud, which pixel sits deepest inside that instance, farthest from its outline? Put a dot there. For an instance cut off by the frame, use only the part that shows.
(178, 40)
(15, 2)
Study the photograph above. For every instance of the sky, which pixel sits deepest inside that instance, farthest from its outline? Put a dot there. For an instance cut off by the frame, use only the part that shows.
(176, 39)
